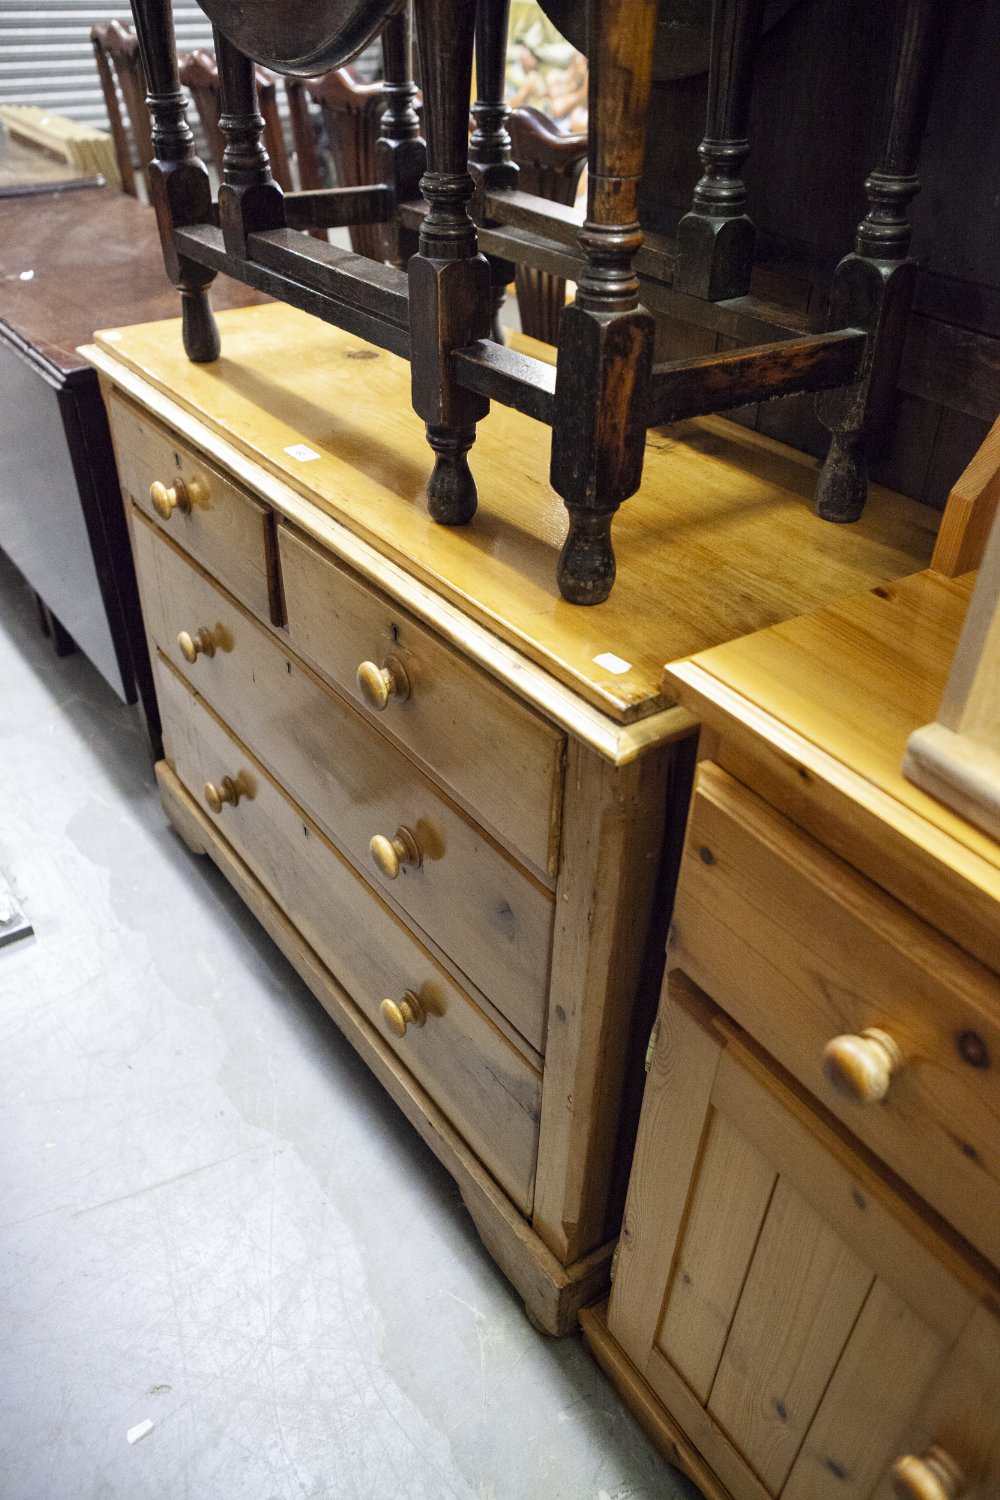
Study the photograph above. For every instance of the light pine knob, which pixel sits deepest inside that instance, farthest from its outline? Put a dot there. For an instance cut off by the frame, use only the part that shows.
(201, 643)
(391, 855)
(398, 1017)
(380, 684)
(862, 1067)
(166, 498)
(933, 1476)
(218, 794)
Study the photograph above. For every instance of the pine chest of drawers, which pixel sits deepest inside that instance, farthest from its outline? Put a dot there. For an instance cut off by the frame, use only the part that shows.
(807, 1298)
(453, 800)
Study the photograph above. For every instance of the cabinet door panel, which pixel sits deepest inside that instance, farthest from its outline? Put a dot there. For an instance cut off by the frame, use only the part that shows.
(847, 1330)
(734, 1180)
(889, 1360)
(801, 1299)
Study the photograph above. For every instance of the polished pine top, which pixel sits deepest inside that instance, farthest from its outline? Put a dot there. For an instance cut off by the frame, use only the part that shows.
(719, 541)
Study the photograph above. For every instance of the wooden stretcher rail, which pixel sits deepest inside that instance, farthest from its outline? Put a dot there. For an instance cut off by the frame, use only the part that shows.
(339, 208)
(693, 387)
(385, 321)
(501, 374)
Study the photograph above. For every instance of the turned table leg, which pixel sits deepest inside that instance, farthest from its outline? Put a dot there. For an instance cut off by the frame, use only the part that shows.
(605, 337)
(400, 155)
(873, 286)
(715, 240)
(179, 186)
(250, 201)
(449, 279)
(490, 161)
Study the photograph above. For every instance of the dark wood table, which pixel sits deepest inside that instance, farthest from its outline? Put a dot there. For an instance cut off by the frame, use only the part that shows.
(72, 262)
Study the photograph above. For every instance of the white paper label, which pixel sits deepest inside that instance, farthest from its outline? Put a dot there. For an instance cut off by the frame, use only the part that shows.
(301, 452)
(612, 663)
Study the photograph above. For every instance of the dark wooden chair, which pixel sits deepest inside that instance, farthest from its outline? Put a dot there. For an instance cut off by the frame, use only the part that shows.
(116, 49)
(199, 73)
(550, 166)
(351, 111)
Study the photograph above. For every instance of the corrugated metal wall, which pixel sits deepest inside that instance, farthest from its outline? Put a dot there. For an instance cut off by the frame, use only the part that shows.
(46, 57)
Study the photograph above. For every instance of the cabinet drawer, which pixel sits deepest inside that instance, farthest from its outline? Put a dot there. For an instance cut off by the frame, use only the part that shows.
(800, 949)
(798, 1318)
(224, 527)
(495, 754)
(487, 1089)
(490, 917)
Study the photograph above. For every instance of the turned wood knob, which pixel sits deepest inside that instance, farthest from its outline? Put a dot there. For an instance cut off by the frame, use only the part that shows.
(217, 796)
(933, 1476)
(202, 643)
(379, 684)
(409, 1012)
(861, 1067)
(168, 498)
(390, 855)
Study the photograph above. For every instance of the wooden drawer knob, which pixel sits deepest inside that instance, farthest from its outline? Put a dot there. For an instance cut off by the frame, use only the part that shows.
(409, 1012)
(861, 1067)
(168, 498)
(202, 643)
(227, 790)
(390, 855)
(933, 1476)
(379, 684)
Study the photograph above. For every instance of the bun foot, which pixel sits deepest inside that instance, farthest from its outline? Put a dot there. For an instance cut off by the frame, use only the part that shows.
(451, 490)
(586, 570)
(843, 480)
(199, 329)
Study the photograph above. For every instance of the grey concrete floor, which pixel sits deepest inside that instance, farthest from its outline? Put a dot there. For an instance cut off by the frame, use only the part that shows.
(212, 1217)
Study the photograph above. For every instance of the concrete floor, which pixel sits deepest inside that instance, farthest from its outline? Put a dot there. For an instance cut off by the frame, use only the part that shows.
(212, 1217)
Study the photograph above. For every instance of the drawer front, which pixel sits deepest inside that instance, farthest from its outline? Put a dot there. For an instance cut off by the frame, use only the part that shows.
(799, 1320)
(487, 914)
(802, 950)
(497, 756)
(484, 1086)
(224, 527)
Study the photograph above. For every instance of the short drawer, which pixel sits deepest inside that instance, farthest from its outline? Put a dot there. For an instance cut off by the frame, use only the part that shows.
(500, 759)
(490, 917)
(801, 950)
(214, 520)
(483, 1084)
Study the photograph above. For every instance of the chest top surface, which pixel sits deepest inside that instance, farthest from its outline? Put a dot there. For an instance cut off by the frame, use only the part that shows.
(851, 682)
(719, 542)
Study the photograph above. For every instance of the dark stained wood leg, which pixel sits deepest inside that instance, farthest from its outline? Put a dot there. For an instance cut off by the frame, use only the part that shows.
(199, 330)
(250, 201)
(400, 153)
(873, 286)
(606, 338)
(449, 279)
(179, 186)
(490, 160)
(715, 240)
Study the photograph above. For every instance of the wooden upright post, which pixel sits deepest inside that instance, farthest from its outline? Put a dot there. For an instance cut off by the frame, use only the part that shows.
(179, 186)
(715, 240)
(873, 286)
(490, 162)
(400, 154)
(449, 279)
(605, 337)
(250, 201)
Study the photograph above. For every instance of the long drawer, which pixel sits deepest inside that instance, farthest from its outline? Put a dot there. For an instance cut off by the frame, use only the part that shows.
(497, 756)
(807, 956)
(216, 522)
(488, 1090)
(484, 911)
